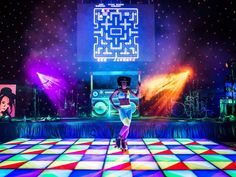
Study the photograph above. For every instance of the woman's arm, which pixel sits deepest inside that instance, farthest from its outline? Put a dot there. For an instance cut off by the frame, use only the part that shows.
(137, 92)
(112, 96)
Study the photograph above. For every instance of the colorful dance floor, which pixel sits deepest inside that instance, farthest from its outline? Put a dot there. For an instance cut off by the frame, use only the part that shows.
(98, 157)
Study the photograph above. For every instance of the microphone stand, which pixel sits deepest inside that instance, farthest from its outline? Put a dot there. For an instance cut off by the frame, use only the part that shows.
(233, 99)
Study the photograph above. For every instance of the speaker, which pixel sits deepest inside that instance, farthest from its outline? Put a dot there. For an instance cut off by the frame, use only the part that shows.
(100, 103)
(101, 106)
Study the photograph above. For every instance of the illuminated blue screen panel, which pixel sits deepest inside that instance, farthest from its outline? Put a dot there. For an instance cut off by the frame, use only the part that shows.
(115, 33)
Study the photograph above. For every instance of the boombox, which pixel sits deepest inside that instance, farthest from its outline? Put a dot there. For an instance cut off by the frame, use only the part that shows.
(101, 106)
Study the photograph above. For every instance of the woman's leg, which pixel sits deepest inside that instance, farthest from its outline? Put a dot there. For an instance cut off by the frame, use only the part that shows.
(125, 135)
(125, 120)
(123, 130)
(129, 116)
(125, 117)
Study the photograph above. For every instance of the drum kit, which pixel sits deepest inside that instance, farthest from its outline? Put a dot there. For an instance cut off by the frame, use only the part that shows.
(197, 107)
(192, 106)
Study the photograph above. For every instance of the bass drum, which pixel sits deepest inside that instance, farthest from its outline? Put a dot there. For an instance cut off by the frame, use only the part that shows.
(178, 110)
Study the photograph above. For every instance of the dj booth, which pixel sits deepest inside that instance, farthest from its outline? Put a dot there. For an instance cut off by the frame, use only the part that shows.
(227, 107)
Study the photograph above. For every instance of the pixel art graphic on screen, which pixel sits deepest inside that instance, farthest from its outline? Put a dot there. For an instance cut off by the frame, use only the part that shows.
(116, 33)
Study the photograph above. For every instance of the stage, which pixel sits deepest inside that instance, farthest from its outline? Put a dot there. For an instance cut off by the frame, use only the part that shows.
(143, 127)
(156, 146)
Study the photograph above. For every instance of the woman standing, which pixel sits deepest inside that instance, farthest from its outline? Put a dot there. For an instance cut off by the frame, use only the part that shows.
(124, 108)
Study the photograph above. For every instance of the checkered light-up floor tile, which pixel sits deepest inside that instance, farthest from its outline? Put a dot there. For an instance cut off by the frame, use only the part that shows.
(98, 157)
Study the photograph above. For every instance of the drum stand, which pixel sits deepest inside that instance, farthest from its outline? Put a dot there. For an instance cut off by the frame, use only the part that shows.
(233, 99)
